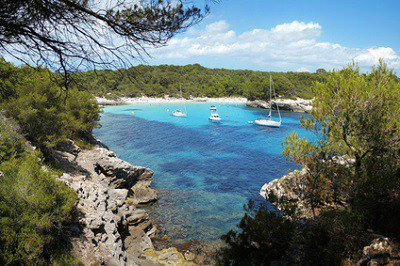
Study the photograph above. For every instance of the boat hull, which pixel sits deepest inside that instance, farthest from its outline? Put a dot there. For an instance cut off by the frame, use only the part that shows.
(177, 114)
(213, 119)
(267, 123)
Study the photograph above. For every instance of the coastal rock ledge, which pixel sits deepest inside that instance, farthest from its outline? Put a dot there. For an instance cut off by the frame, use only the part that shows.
(113, 229)
(298, 105)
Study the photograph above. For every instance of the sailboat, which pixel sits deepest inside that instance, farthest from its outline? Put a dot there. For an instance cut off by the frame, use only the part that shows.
(179, 113)
(269, 122)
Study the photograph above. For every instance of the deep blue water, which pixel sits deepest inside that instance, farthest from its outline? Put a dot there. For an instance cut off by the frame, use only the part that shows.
(204, 171)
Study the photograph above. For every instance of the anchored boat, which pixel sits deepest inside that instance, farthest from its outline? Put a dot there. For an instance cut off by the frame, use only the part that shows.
(214, 117)
(179, 112)
(269, 122)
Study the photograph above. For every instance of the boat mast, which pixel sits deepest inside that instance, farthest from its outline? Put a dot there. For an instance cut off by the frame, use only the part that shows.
(184, 105)
(277, 106)
(270, 96)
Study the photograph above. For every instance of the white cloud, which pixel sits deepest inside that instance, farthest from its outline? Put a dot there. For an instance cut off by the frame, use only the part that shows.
(372, 55)
(288, 46)
(217, 27)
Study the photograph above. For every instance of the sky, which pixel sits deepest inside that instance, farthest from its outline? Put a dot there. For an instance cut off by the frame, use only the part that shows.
(289, 35)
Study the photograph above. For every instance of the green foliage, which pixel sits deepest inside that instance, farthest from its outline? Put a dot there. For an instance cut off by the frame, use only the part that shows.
(264, 237)
(45, 112)
(34, 208)
(11, 143)
(334, 236)
(352, 174)
(355, 117)
(196, 81)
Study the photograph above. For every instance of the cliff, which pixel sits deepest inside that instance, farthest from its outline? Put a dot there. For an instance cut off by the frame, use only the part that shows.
(113, 229)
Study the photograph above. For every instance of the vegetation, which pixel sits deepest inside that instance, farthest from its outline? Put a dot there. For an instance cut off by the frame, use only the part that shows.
(352, 181)
(196, 81)
(70, 35)
(45, 112)
(36, 210)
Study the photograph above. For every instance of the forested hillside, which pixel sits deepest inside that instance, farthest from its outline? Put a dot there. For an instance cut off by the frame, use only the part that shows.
(196, 81)
(35, 208)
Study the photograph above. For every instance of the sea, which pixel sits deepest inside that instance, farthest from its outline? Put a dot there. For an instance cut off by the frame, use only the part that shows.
(205, 172)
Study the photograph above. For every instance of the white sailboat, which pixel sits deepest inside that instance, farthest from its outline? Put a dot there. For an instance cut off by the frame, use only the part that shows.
(269, 122)
(179, 112)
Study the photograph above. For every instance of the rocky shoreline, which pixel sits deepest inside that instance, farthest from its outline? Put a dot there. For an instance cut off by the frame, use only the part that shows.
(290, 189)
(113, 229)
(298, 105)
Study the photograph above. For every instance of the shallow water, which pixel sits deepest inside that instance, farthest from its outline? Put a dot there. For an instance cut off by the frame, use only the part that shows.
(204, 171)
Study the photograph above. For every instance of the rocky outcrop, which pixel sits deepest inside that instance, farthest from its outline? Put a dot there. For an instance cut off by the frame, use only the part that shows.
(382, 251)
(258, 104)
(288, 189)
(298, 105)
(114, 230)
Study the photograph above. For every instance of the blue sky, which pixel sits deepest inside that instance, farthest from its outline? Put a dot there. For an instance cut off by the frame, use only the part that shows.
(289, 35)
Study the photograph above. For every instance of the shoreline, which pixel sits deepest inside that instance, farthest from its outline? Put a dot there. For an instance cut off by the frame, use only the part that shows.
(298, 105)
(128, 100)
(112, 193)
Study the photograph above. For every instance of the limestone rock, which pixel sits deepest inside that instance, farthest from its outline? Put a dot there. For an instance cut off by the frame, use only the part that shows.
(113, 231)
(298, 105)
(288, 188)
(257, 104)
(381, 251)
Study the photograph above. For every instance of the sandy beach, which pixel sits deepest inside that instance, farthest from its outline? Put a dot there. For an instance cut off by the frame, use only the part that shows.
(127, 100)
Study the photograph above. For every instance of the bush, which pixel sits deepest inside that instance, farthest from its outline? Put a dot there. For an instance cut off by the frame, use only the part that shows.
(264, 237)
(34, 209)
(11, 142)
(334, 236)
(46, 112)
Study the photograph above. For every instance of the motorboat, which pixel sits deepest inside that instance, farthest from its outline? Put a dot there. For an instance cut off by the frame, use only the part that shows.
(214, 117)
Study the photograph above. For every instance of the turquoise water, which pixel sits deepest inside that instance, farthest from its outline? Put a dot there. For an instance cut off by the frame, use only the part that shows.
(204, 171)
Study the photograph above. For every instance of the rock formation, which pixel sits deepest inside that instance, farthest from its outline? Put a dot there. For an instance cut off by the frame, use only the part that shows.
(382, 251)
(298, 105)
(114, 230)
(288, 189)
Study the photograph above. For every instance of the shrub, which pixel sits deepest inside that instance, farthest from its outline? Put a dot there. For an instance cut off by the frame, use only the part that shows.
(34, 209)
(264, 237)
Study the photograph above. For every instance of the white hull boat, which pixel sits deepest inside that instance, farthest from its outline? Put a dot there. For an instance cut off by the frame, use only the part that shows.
(214, 117)
(179, 113)
(269, 122)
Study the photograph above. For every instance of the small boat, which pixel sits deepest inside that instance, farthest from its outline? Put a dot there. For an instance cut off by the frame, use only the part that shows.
(214, 117)
(178, 112)
(213, 108)
(269, 122)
